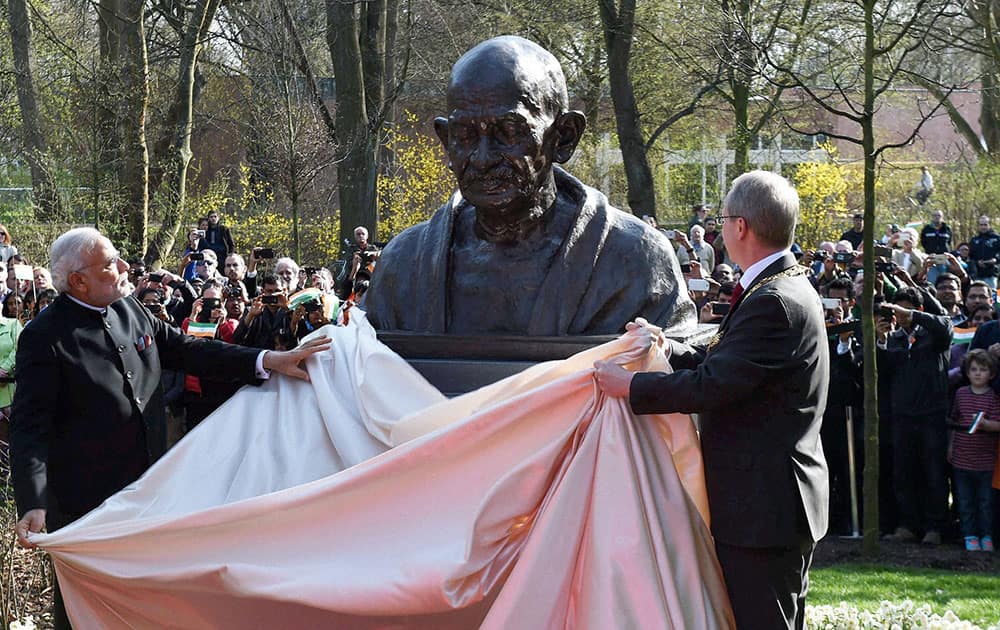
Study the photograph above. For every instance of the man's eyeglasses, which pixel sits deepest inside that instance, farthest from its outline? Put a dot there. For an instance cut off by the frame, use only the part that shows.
(111, 263)
(721, 218)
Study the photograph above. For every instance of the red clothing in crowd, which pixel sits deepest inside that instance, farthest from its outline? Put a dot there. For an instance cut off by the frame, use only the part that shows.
(977, 451)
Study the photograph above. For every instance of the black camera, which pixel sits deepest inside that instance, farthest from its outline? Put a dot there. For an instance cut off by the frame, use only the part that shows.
(885, 312)
(155, 309)
(843, 258)
(821, 254)
(263, 252)
(207, 306)
(686, 267)
(197, 256)
(234, 290)
(269, 299)
(885, 266)
(720, 308)
(156, 277)
(881, 251)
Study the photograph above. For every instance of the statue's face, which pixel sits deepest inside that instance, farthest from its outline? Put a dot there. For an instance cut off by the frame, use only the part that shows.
(500, 149)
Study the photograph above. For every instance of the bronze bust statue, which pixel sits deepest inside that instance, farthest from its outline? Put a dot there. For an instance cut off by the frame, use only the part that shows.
(524, 247)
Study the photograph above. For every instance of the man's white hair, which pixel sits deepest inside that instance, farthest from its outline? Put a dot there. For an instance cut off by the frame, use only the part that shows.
(697, 228)
(287, 261)
(768, 203)
(69, 252)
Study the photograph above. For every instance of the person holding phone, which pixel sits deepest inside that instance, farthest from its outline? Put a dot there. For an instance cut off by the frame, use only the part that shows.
(195, 244)
(713, 311)
(913, 336)
(268, 314)
(203, 395)
(909, 258)
(695, 249)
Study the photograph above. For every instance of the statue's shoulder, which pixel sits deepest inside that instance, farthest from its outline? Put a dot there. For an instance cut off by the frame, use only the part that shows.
(627, 232)
(417, 238)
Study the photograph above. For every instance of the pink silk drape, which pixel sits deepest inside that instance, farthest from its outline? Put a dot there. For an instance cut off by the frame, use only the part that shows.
(364, 499)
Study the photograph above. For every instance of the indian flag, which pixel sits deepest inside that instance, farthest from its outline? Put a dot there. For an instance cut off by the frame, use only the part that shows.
(962, 336)
(198, 329)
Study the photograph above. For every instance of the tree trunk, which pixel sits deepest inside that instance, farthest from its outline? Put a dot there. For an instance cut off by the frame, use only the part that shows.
(739, 84)
(179, 155)
(870, 544)
(356, 165)
(618, 29)
(35, 146)
(134, 172)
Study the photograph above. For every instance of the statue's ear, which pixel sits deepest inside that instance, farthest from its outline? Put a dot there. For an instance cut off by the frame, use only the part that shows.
(569, 126)
(441, 128)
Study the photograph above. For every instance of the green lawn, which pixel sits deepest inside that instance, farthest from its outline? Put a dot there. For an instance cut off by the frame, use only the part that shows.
(973, 597)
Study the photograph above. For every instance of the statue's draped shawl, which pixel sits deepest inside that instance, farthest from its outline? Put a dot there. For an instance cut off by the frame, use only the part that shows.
(611, 269)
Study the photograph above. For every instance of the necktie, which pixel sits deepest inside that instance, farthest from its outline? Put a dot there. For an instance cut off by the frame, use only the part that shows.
(737, 292)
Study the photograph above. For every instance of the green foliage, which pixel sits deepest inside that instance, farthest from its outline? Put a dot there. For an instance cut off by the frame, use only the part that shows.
(418, 181)
(970, 596)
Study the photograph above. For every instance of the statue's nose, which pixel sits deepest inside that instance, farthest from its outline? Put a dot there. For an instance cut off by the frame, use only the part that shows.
(485, 153)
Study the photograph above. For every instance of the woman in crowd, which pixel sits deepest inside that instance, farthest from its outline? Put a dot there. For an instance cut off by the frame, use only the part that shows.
(10, 329)
(6, 248)
(909, 257)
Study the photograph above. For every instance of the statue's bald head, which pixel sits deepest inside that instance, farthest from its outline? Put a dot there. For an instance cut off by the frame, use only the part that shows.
(511, 64)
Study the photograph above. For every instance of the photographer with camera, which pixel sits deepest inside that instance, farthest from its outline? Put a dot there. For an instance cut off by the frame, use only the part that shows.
(167, 284)
(308, 317)
(695, 250)
(914, 342)
(235, 270)
(909, 257)
(844, 392)
(171, 381)
(257, 256)
(360, 258)
(984, 249)
(714, 310)
(203, 395)
(268, 314)
(195, 244)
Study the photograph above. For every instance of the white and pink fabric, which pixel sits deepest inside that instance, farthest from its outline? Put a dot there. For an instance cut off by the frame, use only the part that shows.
(365, 499)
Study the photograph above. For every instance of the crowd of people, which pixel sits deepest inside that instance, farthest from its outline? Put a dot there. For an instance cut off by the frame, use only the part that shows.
(262, 301)
(938, 347)
(937, 337)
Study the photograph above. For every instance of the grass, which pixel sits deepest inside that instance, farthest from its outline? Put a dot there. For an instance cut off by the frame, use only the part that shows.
(973, 597)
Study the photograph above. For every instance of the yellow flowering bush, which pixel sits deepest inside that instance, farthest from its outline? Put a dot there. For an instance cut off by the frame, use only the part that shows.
(823, 199)
(417, 182)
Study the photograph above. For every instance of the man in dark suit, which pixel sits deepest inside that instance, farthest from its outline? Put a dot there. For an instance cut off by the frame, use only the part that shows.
(88, 410)
(760, 389)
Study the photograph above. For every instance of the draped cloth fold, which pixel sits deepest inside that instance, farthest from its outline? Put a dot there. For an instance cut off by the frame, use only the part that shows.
(365, 499)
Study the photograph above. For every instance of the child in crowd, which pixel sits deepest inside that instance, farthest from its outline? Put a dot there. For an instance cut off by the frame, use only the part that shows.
(973, 455)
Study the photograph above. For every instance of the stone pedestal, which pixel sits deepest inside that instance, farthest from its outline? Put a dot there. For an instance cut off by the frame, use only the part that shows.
(456, 364)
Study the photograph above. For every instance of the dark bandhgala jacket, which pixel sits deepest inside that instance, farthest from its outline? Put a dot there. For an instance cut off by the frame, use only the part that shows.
(760, 393)
(88, 412)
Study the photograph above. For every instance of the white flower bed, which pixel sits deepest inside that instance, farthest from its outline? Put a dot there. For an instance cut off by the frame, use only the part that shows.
(890, 616)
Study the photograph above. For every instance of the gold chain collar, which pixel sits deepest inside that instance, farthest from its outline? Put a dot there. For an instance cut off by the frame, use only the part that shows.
(791, 272)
